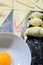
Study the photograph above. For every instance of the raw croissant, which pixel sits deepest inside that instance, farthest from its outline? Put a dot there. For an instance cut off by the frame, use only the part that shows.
(33, 31)
(35, 22)
(36, 15)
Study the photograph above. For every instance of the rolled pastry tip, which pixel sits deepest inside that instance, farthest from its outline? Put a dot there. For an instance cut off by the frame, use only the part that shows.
(25, 37)
(35, 22)
(36, 15)
(25, 34)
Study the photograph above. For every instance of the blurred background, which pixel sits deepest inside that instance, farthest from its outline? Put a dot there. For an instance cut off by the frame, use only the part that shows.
(13, 14)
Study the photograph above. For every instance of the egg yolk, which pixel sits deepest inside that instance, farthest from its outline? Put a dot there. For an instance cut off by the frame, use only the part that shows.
(5, 59)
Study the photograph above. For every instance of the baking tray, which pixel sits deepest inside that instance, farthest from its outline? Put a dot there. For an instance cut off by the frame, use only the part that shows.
(35, 44)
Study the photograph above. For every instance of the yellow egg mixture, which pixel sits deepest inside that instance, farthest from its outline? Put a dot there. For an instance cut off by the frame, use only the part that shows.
(5, 59)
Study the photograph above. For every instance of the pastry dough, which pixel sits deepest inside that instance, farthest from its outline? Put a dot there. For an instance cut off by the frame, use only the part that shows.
(36, 15)
(33, 31)
(41, 32)
(35, 26)
(42, 24)
(35, 22)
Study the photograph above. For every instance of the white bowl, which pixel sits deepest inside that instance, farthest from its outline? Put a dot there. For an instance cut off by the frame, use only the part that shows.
(16, 47)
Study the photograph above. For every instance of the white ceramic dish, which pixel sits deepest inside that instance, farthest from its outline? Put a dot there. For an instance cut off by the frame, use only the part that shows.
(16, 47)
